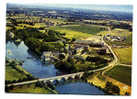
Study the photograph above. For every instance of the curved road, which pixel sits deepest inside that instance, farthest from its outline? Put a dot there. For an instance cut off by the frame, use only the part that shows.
(114, 62)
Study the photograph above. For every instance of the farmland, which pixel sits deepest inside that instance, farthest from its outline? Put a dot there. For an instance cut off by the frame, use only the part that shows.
(79, 30)
(124, 55)
(56, 41)
(120, 73)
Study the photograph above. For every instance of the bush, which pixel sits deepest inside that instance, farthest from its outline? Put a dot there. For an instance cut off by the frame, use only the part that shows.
(97, 60)
(65, 66)
(39, 42)
(112, 88)
(61, 56)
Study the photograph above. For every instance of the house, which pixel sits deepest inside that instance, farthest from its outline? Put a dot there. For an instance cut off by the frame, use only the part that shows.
(102, 51)
(11, 35)
(46, 56)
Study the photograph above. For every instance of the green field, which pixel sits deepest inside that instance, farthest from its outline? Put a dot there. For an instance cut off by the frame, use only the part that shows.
(120, 73)
(14, 71)
(117, 32)
(124, 55)
(78, 31)
(29, 89)
(91, 29)
(12, 74)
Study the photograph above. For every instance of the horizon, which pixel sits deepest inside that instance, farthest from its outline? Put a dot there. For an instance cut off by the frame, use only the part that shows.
(96, 7)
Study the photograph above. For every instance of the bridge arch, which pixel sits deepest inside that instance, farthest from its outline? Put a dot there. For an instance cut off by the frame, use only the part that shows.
(63, 79)
(77, 76)
(47, 82)
(55, 82)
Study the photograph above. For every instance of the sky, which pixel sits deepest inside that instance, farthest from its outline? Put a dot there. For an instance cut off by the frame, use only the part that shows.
(104, 7)
(120, 8)
(107, 4)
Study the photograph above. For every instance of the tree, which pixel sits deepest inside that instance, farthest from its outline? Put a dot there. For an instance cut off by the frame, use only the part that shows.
(61, 56)
(73, 39)
(127, 94)
(112, 88)
(65, 66)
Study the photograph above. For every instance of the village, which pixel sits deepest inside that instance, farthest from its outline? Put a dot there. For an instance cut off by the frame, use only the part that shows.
(81, 52)
(56, 42)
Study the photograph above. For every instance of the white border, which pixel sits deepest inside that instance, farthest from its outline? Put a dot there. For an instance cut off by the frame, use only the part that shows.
(74, 1)
(36, 96)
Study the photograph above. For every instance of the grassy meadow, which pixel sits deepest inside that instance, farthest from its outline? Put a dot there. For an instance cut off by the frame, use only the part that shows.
(15, 72)
(78, 30)
(31, 88)
(120, 73)
(12, 74)
(124, 55)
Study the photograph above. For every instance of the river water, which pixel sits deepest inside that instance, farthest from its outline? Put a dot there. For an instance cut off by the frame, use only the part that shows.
(33, 65)
(78, 87)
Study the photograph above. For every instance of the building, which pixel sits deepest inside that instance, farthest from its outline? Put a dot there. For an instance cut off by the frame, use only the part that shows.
(46, 56)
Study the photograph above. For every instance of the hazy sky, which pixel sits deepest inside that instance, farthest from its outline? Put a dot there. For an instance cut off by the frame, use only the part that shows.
(83, 4)
(121, 8)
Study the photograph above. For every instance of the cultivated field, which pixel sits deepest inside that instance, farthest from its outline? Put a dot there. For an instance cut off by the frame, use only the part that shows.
(79, 30)
(120, 73)
(124, 55)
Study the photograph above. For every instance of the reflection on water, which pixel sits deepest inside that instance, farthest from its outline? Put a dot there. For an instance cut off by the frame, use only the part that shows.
(31, 63)
(78, 87)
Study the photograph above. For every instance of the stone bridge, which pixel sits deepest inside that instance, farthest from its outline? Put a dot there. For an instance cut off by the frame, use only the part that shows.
(51, 79)
(63, 77)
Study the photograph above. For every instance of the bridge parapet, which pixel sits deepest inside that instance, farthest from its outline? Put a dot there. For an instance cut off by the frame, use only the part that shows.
(51, 79)
(63, 77)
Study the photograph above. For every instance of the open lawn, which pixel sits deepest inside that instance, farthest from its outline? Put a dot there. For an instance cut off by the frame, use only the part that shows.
(120, 73)
(29, 89)
(124, 55)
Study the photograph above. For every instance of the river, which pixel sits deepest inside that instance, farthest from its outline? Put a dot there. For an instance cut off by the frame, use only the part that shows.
(33, 65)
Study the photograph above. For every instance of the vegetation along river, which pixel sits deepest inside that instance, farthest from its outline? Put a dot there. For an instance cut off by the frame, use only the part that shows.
(33, 65)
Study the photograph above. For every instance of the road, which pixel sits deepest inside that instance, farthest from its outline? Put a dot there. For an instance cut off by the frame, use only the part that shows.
(126, 65)
(106, 68)
(115, 61)
(111, 64)
(47, 79)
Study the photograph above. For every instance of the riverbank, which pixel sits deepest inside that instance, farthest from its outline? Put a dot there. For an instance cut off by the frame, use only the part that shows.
(100, 82)
(31, 88)
(15, 73)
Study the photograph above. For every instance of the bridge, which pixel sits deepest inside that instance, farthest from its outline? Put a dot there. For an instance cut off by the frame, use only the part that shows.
(73, 75)
(51, 79)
